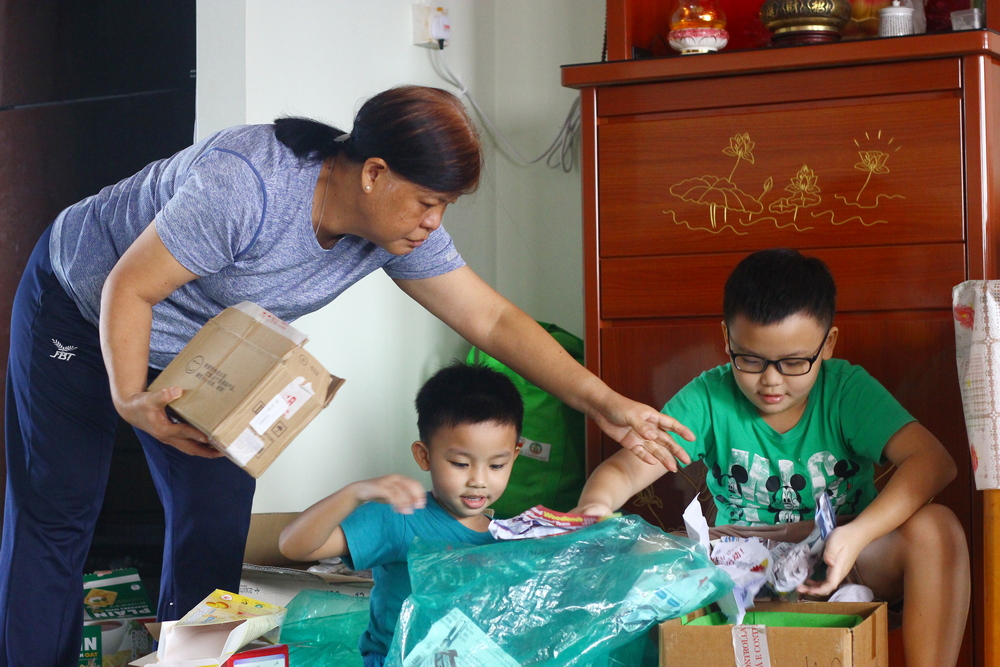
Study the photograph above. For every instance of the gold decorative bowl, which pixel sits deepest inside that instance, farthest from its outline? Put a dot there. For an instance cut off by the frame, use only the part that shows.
(805, 21)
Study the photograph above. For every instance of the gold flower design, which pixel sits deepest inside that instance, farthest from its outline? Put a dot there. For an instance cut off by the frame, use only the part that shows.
(874, 163)
(741, 148)
(804, 192)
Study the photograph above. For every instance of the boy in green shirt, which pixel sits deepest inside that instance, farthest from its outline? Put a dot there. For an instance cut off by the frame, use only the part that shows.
(785, 422)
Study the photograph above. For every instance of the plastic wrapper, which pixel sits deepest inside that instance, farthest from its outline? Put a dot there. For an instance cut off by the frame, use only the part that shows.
(748, 562)
(976, 308)
(793, 563)
(539, 521)
(572, 599)
(322, 629)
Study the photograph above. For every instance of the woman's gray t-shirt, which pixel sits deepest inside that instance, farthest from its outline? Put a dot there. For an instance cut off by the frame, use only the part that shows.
(235, 209)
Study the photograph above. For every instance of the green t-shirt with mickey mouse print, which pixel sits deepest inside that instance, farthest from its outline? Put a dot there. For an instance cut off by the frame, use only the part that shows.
(758, 476)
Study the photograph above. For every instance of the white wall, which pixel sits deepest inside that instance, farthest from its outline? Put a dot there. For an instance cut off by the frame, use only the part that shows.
(258, 59)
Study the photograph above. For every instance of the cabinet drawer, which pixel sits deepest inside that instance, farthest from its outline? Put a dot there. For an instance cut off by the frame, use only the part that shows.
(885, 172)
(868, 279)
(779, 87)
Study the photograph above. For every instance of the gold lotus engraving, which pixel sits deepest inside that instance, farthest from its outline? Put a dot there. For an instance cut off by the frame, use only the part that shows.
(733, 207)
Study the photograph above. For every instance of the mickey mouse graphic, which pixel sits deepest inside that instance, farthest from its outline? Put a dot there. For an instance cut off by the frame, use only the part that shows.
(733, 483)
(840, 489)
(785, 500)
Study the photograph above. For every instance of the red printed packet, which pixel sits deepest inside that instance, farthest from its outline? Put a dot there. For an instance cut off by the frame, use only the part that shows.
(540, 521)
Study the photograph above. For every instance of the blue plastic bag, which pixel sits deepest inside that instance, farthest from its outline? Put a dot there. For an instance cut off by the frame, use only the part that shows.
(568, 600)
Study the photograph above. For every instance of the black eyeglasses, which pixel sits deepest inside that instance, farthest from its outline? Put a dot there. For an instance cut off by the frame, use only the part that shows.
(792, 366)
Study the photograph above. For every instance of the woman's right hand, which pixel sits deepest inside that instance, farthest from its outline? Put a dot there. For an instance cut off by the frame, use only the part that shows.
(146, 410)
(144, 275)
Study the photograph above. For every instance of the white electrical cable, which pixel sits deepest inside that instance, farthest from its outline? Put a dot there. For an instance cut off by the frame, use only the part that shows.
(559, 154)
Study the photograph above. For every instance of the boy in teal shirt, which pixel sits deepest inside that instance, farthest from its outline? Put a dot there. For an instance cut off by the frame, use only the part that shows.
(469, 421)
(784, 422)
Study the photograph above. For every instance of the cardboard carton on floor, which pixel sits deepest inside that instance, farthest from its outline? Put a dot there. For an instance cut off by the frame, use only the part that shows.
(272, 578)
(249, 385)
(211, 633)
(864, 645)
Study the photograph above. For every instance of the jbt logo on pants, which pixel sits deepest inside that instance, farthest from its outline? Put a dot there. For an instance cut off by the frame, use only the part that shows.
(63, 352)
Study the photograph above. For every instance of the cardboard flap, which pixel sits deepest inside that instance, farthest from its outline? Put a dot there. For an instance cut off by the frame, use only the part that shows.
(335, 384)
(273, 323)
(261, 333)
(262, 538)
(295, 574)
(262, 554)
(190, 642)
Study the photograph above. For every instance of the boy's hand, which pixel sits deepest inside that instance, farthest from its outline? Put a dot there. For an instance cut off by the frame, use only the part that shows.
(592, 509)
(643, 431)
(841, 552)
(404, 493)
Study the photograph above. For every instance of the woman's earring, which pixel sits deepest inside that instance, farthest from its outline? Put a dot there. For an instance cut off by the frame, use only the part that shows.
(368, 187)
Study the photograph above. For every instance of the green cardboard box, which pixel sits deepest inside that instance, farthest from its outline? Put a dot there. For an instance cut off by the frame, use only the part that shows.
(116, 608)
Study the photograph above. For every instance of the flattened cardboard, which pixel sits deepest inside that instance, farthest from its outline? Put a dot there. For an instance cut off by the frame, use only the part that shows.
(865, 645)
(249, 385)
(272, 578)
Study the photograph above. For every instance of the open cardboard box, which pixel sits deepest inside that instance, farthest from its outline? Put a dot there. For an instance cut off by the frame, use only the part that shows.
(272, 578)
(249, 385)
(864, 645)
(211, 633)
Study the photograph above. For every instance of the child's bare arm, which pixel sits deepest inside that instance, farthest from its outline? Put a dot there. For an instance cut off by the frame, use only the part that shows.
(615, 481)
(316, 533)
(923, 469)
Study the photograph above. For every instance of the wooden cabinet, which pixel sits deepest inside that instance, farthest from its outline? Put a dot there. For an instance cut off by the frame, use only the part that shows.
(880, 157)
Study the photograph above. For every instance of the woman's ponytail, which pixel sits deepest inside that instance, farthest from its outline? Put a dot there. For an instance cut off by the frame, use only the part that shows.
(308, 139)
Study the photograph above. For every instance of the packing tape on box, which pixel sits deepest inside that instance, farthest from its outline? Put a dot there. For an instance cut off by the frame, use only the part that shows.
(245, 447)
(285, 404)
(750, 646)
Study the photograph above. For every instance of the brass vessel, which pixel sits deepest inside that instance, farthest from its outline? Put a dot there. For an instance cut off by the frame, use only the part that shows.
(805, 21)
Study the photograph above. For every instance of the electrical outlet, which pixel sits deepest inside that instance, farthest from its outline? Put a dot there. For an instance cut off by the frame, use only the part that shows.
(430, 25)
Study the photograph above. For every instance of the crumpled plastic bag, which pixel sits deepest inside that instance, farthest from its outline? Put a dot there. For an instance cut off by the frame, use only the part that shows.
(322, 629)
(794, 563)
(567, 600)
(976, 308)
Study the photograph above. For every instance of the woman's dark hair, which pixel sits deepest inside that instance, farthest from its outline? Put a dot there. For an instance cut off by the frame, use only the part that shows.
(769, 286)
(467, 394)
(423, 134)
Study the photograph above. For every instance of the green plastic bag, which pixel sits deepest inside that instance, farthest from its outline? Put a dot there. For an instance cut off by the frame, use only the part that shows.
(551, 469)
(322, 629)
(573, 600)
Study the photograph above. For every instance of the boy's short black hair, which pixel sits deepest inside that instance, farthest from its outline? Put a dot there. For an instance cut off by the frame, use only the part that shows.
(467, 394)
(769, 286)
